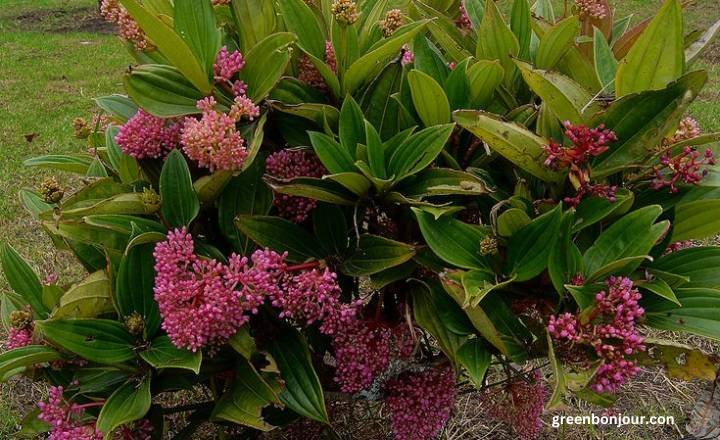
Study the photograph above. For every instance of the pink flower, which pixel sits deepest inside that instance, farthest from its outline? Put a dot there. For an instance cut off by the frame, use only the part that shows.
(520, 405)
(127, 26)
(408, 57)
(244, 107)
(213, 141)
(463, 21)
(593, 9)
(689, 128)
(330, 57)
(19, 337)
(420, 403)
(66, 419)
(289, 164)
(587, 143)
(202, 301)
(228, 64)
(146, 136)
(688, 167)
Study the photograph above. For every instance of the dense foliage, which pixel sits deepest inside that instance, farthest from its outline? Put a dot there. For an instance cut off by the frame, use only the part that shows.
(303, 200)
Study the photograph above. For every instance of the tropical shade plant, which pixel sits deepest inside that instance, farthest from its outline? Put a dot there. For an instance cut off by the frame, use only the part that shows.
(295, 200)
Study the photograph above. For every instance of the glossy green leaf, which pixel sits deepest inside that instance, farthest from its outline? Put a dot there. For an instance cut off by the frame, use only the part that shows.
(72, 163)
(254, 20)
(659, 287)
(565, 259)
(119, 107)
(455, 242)
(128, 403)
(474, 356)
(520, 24)
(514, 142)
(484, 78)
(696, 220)
(324, 190)
(605, 62)
(162, 91)
(697, 265)
(511, 221)
(300, 20)
(331, 228)
(496, 41)
(381, 110)
(194, 21)
(556, 42)
(530, 247)
(163, 354)
(334, 156)
(97, 340)
(89, 298)
(244, 401)
(429, 99)
(418, 151)
(134, 284)
(266, 63)
(428, 313)
(303, 392)
(23, 280)
(657, 57)
(594, 209)
(14, 361)
(698, 313)
(375, 254)
(125, 165)
(180, 204)
(280, 235)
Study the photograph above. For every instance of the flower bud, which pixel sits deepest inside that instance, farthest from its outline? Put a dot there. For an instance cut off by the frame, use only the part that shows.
(51, 191)
(135, 323)
(21, 319)
(345, 11)
(151, 201)
(488, 246)
(393, 20)
(81, 128)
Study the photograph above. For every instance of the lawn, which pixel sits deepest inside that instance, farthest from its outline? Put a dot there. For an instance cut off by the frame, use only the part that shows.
(56, 55)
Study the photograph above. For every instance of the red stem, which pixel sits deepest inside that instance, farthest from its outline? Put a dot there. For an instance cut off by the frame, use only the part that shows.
(304, 266)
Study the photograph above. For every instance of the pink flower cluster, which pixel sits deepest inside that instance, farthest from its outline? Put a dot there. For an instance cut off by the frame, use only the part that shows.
(289, 164)
(520, 405)
(19, 337)
(408, 57)
(420, 403)
(363, 350)
(611, 330)
(66, 418)
(680, 245)
(463, 22)
(127, 26)
(139, 430)
(688, 167)
(309, 74)
(213, 141)
(688, 128)
(592, 9)
(202, 301)
(228, 64)
(146, 136)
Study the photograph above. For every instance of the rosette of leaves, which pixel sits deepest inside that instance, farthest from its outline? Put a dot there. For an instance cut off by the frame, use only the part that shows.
(448, 148)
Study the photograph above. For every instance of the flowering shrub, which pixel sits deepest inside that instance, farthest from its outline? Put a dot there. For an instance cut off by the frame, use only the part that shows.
(300, 199)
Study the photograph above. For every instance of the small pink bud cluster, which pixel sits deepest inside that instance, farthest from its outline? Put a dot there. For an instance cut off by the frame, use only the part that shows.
(520, 405)
(213, 141)
(408, 57)
(463, 22)
(65, 418)
(688, 167)
(688, 129)
(146, 136)
(202, 301)
(394, 18)
(127, 26)
(587, 143)
(220, 2)
(228, 64)
(330, 56)
(289, 164)
(364, 350)
(680, 245)
(420, 403)
(19, 337)
(591, 9)
(611, 330)
(138, 430)
(309, 74)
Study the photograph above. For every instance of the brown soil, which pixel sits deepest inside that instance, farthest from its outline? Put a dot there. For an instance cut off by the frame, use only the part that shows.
(63, 20)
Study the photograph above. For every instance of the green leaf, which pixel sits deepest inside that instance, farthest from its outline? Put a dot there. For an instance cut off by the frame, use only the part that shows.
(474, 356)
(680, 361)
(23, 280)
(375, 151)
(195, 22)
(455, 242)
(693, 52)
(530, 247)
(33, 203)
(119, 107)
(698, 313)
(134, 284)
(478, 284)
(657, 58)
(560, 385)
(125, 165)
(266, 63)
(301, 21)
(496, 41)
(429, 59)
(565, 259)
(556, 42)
(511, 221)
(520, 24)
(514, 142)
(88, 299)
(244, 401)
(631, 236)
(128, 403)
(14, 361)
(659, 287)
(323, 190)
(303, 392)
(254, 20)
(351, 127)
(330, 228)
(443, 181)
(78, 164)
(170, 44)
(437, 318)
(429, 99)
(180, 204)
(375, 254)
(354, 182)
(162, 91)
(280, 235)
(163, 354)
(333, 155)
(484, 77)
(418, 151)
(246, 194)
(641, 121)
(363, 68)
(605, 62)
(696, 220)
(97, 340)
(594, 209)
(567, 99)
(699, 265)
